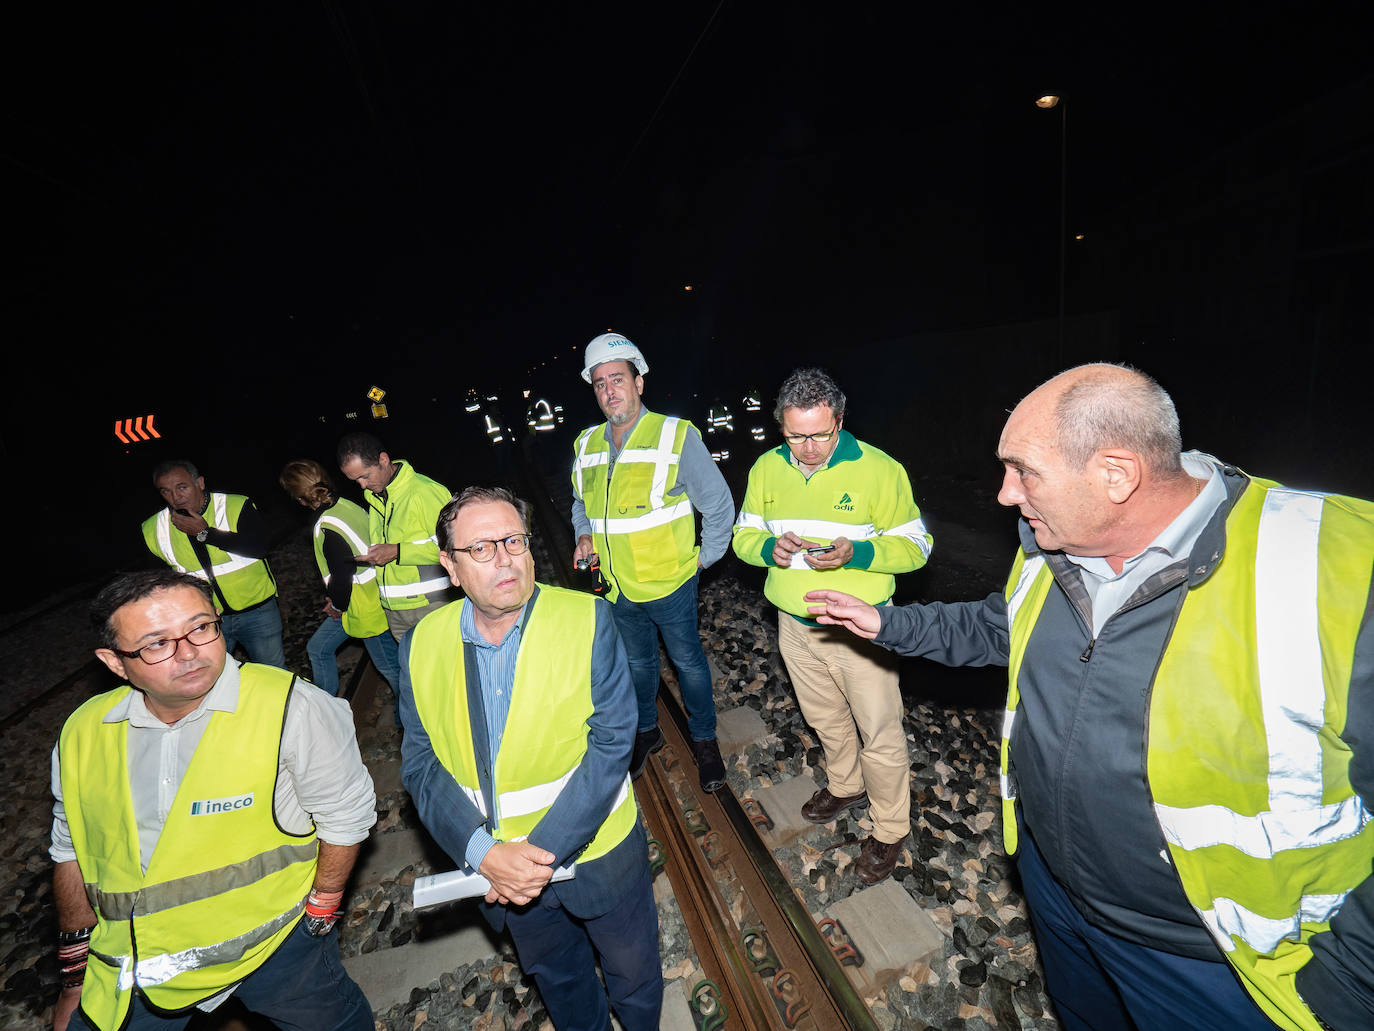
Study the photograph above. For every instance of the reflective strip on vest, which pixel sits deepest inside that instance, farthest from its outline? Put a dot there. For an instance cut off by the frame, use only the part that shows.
(475, 797)
(1292, 701)
(542, 796)
(1004, 776)
(633, 524)
(1263, 933)
(219, 511)
(160, 969)
(120, 905)
(1029, 570)
(586, 461)
(441, 583)
(663, 458)
(359, 546)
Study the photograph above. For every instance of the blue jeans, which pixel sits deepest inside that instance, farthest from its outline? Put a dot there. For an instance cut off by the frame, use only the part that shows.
(675, 617)
(302, 987)
(259, 631)
(1100, 982)
(555, 948)
(330, 636)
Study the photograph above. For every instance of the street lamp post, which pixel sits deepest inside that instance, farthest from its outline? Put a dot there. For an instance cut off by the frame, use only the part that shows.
(1046, 103)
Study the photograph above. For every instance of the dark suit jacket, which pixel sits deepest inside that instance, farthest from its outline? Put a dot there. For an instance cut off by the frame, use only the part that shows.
(585, 801)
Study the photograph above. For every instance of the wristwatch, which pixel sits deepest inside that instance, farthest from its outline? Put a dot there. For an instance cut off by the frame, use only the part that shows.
(204, 535)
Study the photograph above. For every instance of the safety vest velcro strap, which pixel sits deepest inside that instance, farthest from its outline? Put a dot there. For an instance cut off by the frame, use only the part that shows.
(439, 583)
(153, 898)
(1266, 834)
(1228, 917)
(157, 970)
(634, 524)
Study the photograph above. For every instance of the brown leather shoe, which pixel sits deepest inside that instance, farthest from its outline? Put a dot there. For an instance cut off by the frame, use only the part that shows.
(822, 807)
(877, 859)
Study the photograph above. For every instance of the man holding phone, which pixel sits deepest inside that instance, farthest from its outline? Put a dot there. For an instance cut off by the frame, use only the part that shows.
(221, 539)
(822, 510)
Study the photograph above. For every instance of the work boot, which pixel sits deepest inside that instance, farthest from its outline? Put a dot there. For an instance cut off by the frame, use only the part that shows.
(710, 766)
(646, 741)
(822, 807)
(877, 859)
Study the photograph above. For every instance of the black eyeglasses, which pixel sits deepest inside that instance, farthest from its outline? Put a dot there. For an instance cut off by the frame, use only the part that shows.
(485, 551)
(163, 649)
(819, 438)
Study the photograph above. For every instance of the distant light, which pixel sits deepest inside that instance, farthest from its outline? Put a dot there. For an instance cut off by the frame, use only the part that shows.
(1079, 236)
(688, 287)
(1048, 101)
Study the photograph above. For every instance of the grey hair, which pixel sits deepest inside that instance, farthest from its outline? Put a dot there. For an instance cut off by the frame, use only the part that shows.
(443, 526)
(809, 388)
(1108, 409)
(168, 465)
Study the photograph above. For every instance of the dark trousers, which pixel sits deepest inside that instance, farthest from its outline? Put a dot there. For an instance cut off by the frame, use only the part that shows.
(1100, 982)
(301, 987)
(555, 948)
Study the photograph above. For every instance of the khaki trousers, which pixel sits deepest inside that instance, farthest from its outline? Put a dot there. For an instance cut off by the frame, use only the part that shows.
(847, 690)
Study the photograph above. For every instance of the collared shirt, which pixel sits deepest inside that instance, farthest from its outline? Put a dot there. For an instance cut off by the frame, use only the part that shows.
(1107, 591)
(496, 669)
(320, 774)
(698, 477)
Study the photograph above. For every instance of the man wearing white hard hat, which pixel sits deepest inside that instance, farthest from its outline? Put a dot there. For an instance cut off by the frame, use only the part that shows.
(636, 479)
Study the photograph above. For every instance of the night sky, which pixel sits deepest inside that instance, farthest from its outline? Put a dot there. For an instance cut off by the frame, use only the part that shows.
(248, 213)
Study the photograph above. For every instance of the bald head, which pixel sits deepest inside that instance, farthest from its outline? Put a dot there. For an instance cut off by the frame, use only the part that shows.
(1100, 406)
(1092, 462)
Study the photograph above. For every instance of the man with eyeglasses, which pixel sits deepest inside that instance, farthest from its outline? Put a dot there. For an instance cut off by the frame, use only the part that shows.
(207, 817)
(519, 716)
(827, 510)
(221, 539)
(636, 479)
(402, 505)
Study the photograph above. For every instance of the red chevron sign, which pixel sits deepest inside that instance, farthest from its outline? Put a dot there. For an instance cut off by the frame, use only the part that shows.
(131, 431)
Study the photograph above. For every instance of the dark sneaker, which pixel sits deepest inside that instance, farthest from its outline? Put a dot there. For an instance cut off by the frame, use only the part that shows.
(710, 766)
(822, 807)
(877, 859)
(646, 741)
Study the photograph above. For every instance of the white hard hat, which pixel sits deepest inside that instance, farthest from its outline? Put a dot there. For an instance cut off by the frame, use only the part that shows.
(612, 347)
